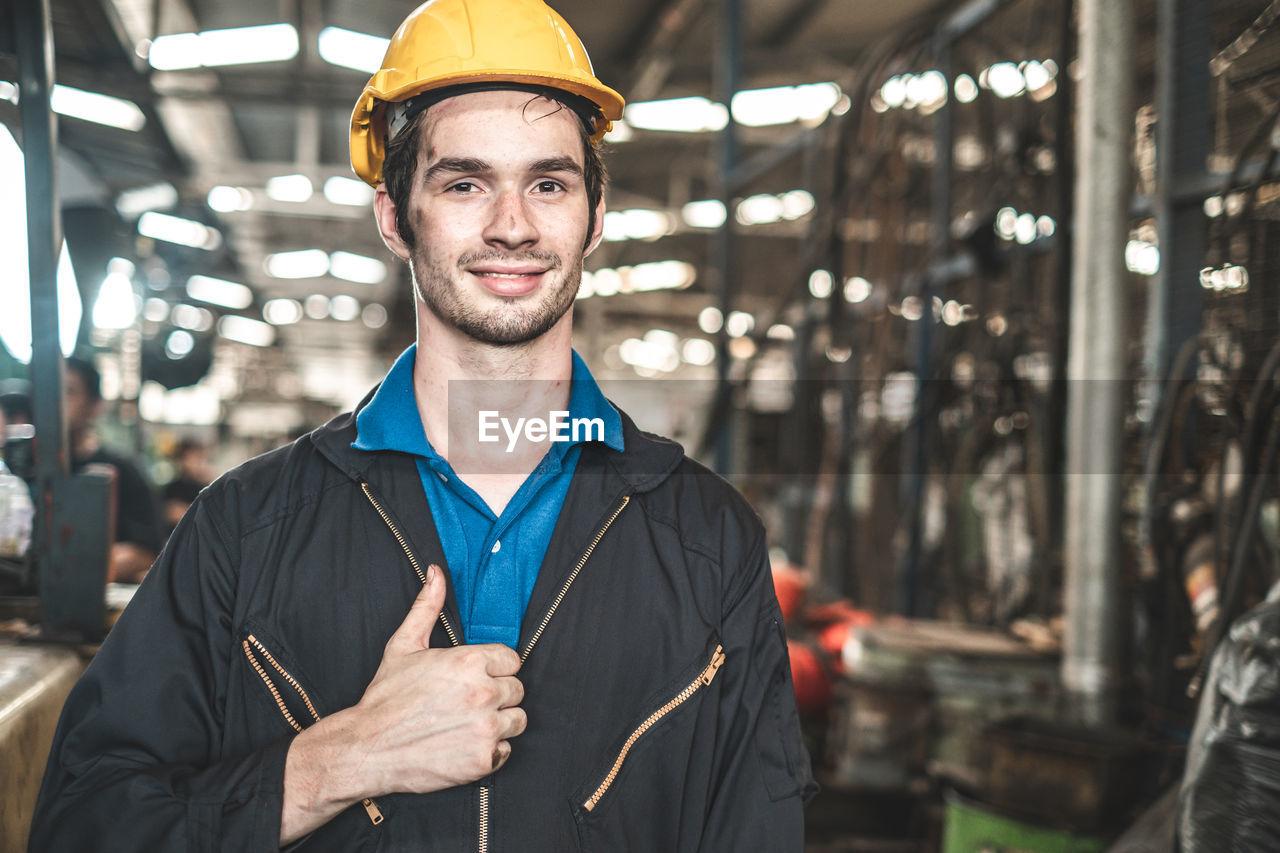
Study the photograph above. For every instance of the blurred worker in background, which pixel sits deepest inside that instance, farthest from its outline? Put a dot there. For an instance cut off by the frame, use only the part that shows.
(15, 402)
(399, 633)
(194, 473)
(138, 533)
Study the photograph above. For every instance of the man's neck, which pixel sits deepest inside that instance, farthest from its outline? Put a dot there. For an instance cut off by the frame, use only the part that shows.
(83, 443)
(457, 378)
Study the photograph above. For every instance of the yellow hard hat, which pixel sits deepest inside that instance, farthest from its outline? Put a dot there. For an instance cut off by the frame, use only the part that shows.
(454, 42)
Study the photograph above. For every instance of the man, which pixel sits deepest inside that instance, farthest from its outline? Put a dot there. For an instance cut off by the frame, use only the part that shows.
(193, 474)
(394, 634)
(15, 402)
(137, 533)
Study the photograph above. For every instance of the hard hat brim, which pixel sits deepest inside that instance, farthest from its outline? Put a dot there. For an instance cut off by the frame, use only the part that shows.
(367, 119)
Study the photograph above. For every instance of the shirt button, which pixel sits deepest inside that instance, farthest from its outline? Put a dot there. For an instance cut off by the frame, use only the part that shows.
(497, 546)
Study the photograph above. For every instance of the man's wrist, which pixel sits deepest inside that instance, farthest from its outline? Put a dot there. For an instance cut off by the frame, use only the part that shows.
(322, 777)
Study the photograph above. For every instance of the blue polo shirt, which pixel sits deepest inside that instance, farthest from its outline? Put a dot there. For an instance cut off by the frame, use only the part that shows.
(493, 559)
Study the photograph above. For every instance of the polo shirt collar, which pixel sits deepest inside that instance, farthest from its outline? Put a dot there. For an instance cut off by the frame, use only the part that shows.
(391, 420)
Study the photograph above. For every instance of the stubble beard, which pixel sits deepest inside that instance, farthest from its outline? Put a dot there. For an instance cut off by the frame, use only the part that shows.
(512, 324)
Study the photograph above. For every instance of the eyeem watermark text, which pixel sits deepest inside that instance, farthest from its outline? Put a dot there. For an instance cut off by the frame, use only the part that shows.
(557, 427)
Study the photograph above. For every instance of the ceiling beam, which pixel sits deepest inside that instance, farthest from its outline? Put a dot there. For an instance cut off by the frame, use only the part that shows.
(794, 22)
(654, 59)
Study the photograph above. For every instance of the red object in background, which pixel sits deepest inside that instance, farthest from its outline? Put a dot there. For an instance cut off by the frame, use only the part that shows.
(834, 623)
(810, 678)
(826, 626)
(792, 585)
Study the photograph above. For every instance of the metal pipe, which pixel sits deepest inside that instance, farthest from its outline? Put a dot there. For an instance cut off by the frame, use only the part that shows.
(727, 73)
(914, 583)
(1054, 447)
(44, 239)
(1097, 359)
(1183, 32)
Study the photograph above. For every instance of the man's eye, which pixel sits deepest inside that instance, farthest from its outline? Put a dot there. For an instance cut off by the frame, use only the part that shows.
(549, 186)
(462, 187)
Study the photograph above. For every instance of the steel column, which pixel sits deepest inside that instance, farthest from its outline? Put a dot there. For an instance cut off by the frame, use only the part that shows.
(1183, 32)
(1097, 359)
(724, 263)
(914, 582)
(44, 239)
(1054, 447)
(73, 513)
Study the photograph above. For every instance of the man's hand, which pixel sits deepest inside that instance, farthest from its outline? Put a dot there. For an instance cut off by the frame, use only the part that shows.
(129, 562)
(430, 719)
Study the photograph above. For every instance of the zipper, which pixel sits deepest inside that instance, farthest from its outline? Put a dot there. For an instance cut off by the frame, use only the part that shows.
(704, 679)
(408, 552)
(483, 828)
(250, 644)
(483, 846)
(564, 590)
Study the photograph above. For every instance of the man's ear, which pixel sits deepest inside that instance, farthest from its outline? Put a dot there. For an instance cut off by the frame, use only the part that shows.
(384, 211)
(598, 229)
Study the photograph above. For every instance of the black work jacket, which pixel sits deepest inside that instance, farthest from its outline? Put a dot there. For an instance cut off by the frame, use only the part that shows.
(660, 708)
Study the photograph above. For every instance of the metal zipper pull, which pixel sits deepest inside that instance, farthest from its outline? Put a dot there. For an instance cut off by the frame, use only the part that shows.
(375, 813)
(712, 668)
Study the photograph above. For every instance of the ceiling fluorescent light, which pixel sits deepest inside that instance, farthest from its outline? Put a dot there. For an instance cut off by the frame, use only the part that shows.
(759, 209)
(8, 92)
(99, 109)
(117, 305)
(307, 263)
(191, 317)
(679, 115)
(351, 49)
(175, 52)
(246, 331)
(174, 229)
(348, 191)
(357, 268)
(290, 188)
(136, 202)
(225, 199)
(662, 275)
(216, 291)
(282, 312)
(620, 132)
(703, 214)
(237, 46)
(785, 104)
(637, 224)
(344, 308)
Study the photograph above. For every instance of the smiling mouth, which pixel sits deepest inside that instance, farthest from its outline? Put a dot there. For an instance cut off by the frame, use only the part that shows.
(510, 283)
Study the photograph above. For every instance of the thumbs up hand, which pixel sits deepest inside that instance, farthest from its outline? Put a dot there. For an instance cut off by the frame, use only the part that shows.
(432, 718)
(436, 718)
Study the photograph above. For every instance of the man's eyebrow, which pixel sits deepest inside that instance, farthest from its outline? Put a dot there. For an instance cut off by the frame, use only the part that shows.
(454, 166)
(557, 164)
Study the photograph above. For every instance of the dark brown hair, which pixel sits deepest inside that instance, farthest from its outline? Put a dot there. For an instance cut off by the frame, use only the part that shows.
(401, 164)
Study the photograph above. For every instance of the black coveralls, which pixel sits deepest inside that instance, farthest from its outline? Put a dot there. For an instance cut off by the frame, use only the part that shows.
(660, 708)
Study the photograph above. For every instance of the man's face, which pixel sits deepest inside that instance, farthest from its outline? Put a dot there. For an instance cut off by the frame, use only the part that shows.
(78, 408)
(499, 212)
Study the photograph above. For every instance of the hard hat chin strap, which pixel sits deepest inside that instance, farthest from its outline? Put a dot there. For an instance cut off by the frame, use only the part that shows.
(401, 113)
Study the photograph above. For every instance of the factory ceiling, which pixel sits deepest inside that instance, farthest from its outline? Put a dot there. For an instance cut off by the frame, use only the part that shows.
(220, 135)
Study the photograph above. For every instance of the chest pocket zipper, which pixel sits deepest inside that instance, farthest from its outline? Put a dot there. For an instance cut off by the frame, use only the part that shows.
(704, 679)
(256, 653)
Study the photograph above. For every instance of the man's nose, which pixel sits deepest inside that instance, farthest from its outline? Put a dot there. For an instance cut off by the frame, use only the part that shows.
(510, 224)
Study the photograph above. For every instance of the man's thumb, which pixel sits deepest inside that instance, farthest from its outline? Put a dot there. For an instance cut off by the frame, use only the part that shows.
(414, 633)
